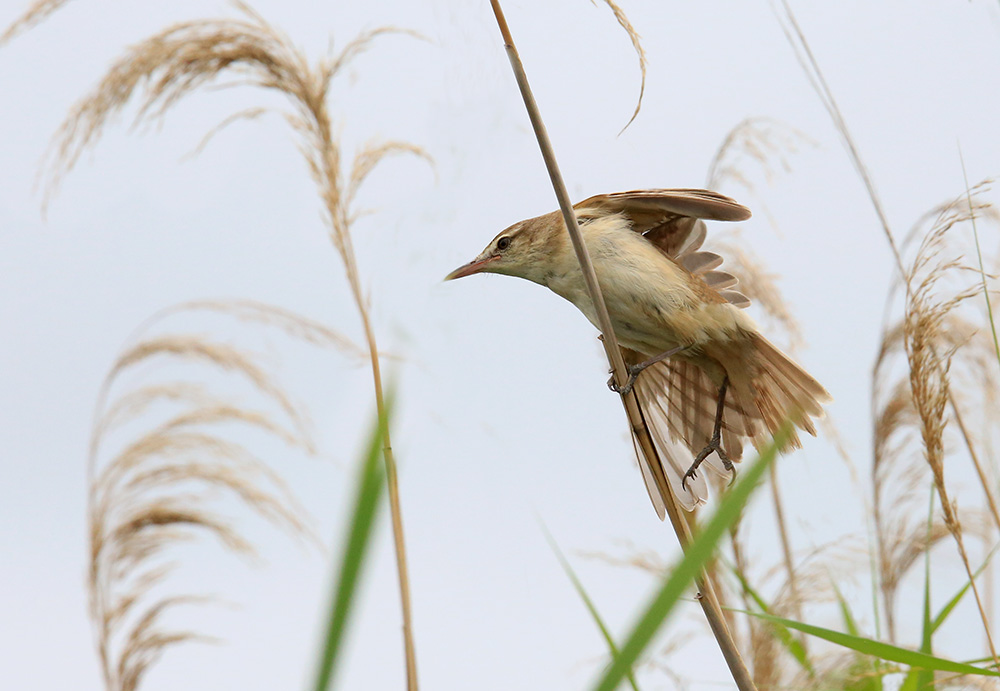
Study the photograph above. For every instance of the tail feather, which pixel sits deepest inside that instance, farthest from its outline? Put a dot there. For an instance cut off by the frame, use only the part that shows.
(789, 390)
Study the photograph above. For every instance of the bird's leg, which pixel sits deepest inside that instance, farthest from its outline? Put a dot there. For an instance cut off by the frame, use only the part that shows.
(635, 370)
(716, 442)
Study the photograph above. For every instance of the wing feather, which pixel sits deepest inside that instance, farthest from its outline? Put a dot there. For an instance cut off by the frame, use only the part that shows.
(649, 208)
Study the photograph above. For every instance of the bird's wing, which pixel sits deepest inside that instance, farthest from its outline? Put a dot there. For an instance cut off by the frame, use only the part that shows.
(650, 209)
(671, 220)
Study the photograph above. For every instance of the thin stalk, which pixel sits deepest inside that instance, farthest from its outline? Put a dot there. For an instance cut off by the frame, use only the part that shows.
(707, 596)
(814, 74)
(395, 507)
(742, 569)
(396, 513)
(975, 593)
(975, 461)
(979, 254)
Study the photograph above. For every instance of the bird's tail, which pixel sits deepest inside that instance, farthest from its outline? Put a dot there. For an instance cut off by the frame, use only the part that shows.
(775, 388)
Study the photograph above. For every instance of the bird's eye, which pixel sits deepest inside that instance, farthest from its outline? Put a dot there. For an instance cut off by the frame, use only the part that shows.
(503, 243)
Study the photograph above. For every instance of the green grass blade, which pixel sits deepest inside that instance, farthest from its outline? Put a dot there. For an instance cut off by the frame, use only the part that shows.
(680, 577)
(845, 611)
(612, 648)
(866, 680)
(369, 486)
(883, 651)
(785, 637)
(918, 679)
(981, 660)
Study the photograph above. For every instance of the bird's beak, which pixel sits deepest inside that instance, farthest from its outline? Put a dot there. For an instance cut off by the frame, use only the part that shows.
(475, 266)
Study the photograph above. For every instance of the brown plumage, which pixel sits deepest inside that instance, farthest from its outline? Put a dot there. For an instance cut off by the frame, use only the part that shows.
(664, 293)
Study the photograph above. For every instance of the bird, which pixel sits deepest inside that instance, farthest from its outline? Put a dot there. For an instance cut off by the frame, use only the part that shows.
(705, 377)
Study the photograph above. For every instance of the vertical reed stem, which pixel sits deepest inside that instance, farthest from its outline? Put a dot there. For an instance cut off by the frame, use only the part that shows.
(395, 507)
(707, 597)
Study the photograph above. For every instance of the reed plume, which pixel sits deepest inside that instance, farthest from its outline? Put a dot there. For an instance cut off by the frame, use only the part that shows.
(35, 14)
(935, 367)
(163, 69)
(163, 470)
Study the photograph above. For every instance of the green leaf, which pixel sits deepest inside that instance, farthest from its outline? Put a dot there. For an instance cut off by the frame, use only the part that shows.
(918, 679)
(589, 603)
(699, 552)
(845, 611)
(792, 645)
(369, 485)
(867, 673)
(878, 649)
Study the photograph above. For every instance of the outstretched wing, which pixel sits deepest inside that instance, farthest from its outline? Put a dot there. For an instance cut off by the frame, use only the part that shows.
(650, 208)
(671, 220)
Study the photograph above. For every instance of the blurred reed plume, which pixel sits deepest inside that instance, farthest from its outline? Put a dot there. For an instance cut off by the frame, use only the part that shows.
(162, 70)
(165, 469)
(37, 12)
(165, 68)
(757, 146)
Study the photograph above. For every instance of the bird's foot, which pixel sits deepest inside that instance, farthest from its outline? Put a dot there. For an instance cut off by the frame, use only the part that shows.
(635, 370)
(714, 445)
(633, 374)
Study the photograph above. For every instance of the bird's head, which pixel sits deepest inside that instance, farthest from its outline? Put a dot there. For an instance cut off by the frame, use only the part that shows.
(526, 250)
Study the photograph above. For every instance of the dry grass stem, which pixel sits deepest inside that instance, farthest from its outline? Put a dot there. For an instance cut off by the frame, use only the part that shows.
(809, 64)
(162, 70)
(640, 432)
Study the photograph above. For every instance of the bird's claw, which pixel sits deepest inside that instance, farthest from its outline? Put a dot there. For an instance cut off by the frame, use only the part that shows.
(732, 470)
(714, 445)
(623, 390)
(690, 474)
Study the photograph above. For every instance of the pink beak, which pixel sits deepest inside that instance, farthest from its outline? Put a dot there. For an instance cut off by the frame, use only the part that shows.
(473, 267)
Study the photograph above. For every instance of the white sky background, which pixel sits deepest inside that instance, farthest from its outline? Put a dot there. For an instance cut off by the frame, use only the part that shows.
(504, 417)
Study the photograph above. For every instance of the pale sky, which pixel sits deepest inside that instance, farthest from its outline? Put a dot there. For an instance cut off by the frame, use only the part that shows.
(504, 417)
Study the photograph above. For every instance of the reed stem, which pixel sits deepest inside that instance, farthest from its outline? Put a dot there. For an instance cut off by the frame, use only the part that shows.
(706, 595)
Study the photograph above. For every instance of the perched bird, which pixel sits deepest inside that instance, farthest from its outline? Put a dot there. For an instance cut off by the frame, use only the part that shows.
(705, 378)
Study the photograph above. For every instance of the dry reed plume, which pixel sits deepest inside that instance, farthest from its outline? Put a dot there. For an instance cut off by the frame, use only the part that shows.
(918, 409)
(162, 472)
(35, 14)
(163, 69)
